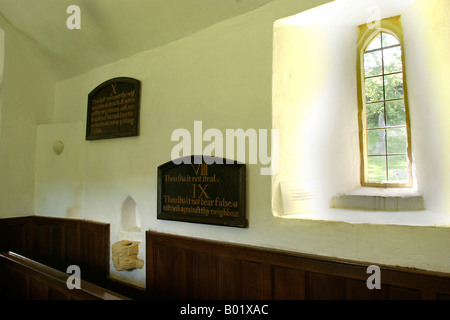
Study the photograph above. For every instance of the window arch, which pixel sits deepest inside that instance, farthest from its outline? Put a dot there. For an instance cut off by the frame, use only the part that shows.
(385, 139)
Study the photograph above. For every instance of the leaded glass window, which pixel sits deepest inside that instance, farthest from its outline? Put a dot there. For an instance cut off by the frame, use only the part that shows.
(385, 123)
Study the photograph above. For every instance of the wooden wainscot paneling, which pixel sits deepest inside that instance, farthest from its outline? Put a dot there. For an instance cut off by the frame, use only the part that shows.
(186, 268)
(16, 235)
(95, 251)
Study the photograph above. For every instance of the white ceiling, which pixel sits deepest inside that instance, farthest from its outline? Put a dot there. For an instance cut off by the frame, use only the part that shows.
(115, 29)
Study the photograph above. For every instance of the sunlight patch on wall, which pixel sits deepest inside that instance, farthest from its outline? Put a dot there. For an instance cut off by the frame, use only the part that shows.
(314, 98)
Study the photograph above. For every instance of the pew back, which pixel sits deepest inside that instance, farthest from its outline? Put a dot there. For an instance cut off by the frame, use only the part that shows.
(25, 279)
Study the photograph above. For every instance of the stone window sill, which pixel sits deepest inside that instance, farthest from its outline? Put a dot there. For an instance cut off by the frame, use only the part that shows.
(379, 199)
(374, 206)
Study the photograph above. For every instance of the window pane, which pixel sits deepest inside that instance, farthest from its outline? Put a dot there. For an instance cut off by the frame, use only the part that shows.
(394, 86)
(375, 115)
(392, 60)
(374, 89)
(398, 169)
(373, 63)
(389, 40)
(395, 113)
(375, 44)
(376, 142)
(377, 169)
(396, 140)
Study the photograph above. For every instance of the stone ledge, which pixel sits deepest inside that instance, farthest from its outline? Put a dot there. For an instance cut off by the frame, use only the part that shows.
(379, 199)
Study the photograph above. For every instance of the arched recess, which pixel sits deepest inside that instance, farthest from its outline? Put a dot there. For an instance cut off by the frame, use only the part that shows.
(130, 221)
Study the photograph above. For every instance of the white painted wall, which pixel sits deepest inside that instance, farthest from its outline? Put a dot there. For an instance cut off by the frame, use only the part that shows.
(222, 76)
(27, 95)
(315, 109)
(427, 34)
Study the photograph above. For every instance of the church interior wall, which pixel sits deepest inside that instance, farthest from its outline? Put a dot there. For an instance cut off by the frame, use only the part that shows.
(223, 77)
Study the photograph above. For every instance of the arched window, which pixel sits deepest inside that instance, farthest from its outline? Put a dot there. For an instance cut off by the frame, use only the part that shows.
(383, 116)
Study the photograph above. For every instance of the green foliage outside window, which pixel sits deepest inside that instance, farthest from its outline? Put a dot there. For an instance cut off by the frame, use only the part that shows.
(386, 131)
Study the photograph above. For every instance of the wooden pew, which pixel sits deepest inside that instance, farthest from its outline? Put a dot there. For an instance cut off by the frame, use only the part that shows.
(24, 279)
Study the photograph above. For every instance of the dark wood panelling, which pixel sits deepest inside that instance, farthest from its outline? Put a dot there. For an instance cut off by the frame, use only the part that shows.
(227, 278)
(59, 243)
(55, 294)
(165, 272)
(203, 273)
(42, 242)
(188, 268)
(181, 260)
(95, 251)
(38, 289)
(398, 293)
(325, 287)
(252, 280)
(16, 235)
(288, 283)
(13, 283)
(357, 290)
(25, 279)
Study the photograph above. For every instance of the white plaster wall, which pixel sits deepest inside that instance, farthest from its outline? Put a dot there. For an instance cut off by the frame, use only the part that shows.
(222, 76)
(27, 95)
(315, 109)
(59, 178)
(427, 51)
